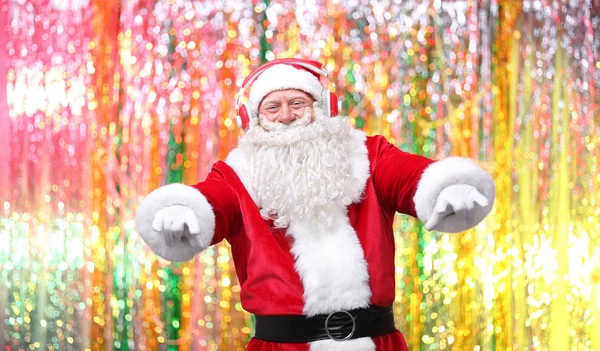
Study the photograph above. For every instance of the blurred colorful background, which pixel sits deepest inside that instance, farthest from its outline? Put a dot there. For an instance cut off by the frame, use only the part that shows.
(102, 101)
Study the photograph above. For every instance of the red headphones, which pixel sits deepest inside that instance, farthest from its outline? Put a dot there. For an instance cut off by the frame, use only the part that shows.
(330, 100)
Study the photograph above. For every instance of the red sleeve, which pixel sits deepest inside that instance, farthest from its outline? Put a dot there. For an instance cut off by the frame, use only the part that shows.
(396, 175)
(224, 202)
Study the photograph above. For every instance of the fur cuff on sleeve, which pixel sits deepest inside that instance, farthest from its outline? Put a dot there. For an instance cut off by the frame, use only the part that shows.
(450, 171)
(169, 195)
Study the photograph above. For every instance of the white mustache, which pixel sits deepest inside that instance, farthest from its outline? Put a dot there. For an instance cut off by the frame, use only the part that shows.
(279, 126)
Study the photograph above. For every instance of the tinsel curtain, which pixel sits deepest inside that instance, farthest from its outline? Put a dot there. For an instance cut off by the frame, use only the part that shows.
(102, 101)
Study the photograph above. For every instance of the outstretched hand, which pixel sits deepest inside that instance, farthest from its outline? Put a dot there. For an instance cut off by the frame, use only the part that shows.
(174, 222)
(461, 200)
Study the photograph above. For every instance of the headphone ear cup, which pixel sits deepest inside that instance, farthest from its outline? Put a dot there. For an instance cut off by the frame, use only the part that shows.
(243, 117)
(333, 105)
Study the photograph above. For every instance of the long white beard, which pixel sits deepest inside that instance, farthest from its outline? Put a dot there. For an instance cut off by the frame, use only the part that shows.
(302, 172)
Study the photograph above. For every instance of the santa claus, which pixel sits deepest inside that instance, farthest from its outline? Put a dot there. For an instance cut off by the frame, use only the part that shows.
(307, 203)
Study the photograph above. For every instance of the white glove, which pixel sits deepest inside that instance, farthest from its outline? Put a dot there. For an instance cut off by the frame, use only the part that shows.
(458, 207)
(175, 222)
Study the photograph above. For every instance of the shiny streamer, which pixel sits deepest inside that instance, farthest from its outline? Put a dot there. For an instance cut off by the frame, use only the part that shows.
(107, 100)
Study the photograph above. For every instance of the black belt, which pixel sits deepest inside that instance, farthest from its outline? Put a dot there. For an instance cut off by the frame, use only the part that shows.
(340, 325)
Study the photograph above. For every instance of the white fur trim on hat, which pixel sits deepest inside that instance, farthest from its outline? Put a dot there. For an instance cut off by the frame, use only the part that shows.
(282, 77)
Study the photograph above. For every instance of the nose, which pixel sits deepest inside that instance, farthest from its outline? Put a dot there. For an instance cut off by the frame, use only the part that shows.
(286, 115)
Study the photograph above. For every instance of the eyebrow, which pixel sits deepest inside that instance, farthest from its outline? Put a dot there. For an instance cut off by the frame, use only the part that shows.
(294, 97)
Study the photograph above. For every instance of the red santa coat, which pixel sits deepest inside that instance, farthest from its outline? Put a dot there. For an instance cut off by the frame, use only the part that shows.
(264, 261)
(295, 272)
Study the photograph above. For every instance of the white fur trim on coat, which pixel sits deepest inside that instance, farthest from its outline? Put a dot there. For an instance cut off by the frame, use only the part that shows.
(239, 163)
(450, 171)
(334, 273)
(359, 159)
(362, 344)
(170, 195)
(331, 265)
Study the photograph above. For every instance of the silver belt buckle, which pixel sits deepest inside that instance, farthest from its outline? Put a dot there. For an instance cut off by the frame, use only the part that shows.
(351, 332)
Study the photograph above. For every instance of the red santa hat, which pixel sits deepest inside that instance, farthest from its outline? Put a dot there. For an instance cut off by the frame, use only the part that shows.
(283, 77)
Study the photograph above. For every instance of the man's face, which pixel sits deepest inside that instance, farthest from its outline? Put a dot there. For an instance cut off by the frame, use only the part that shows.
(285, 106)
